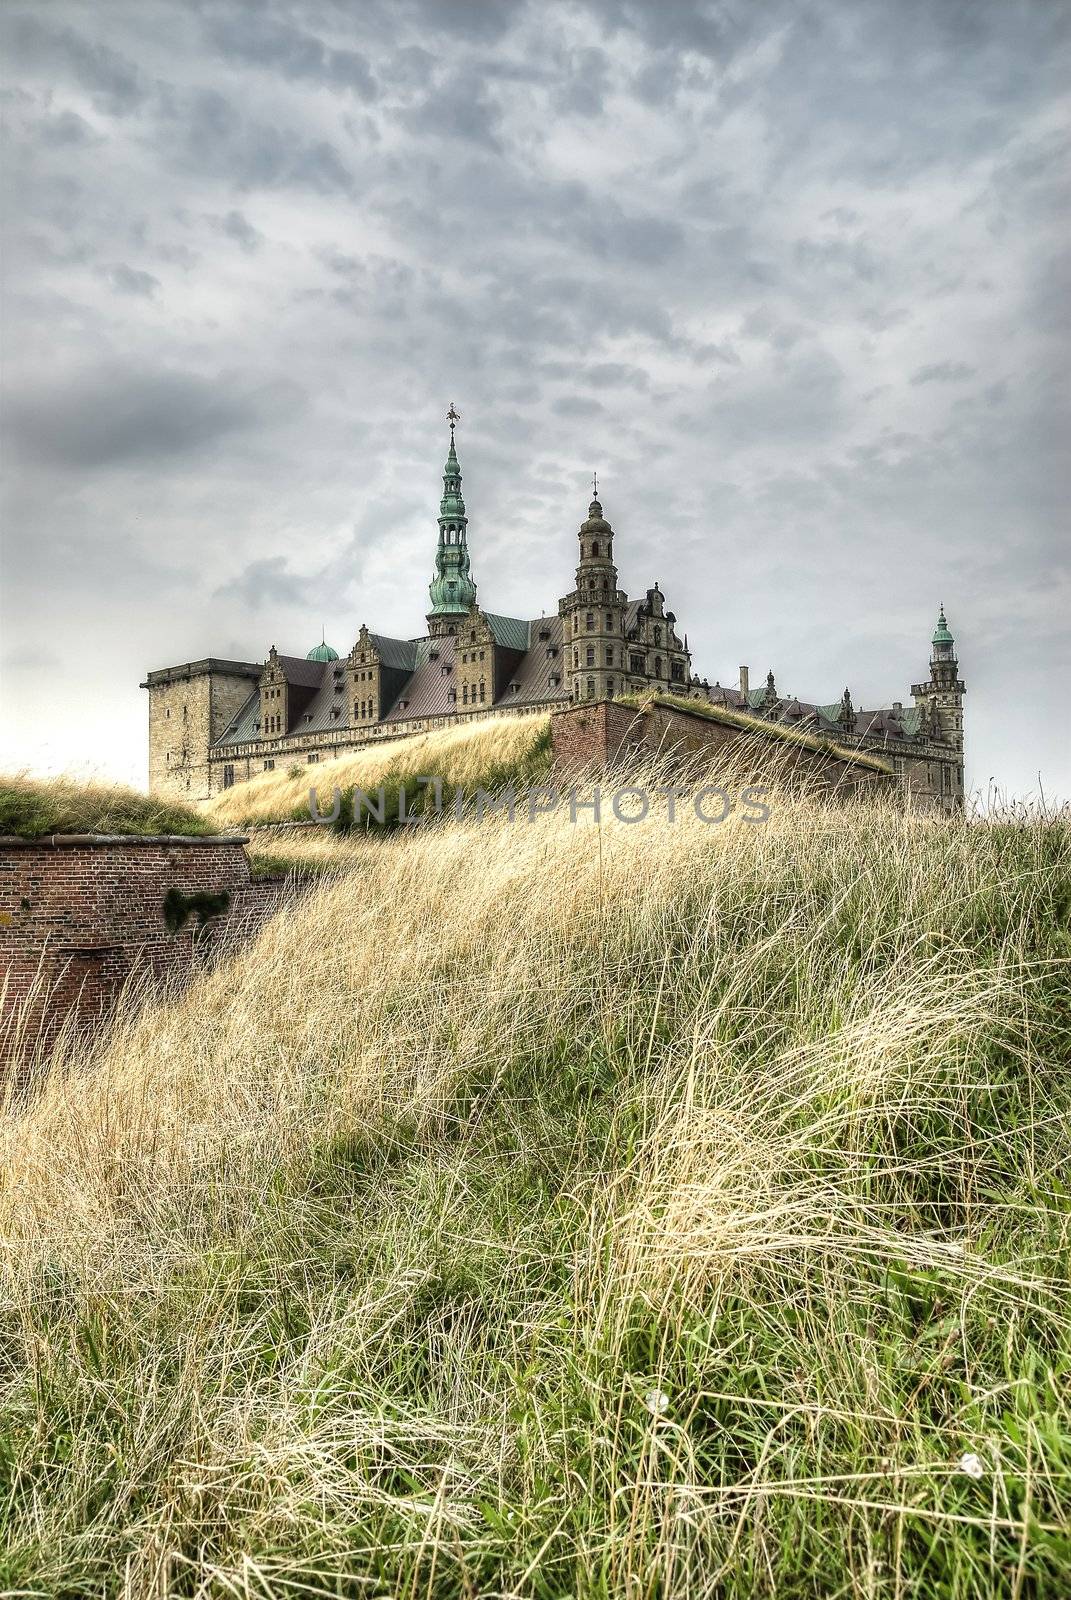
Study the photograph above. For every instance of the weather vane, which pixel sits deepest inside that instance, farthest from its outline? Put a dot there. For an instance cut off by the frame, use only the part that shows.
(452, 416)
(595, 485)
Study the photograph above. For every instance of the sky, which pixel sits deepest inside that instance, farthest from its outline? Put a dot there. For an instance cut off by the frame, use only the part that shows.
(791, 277)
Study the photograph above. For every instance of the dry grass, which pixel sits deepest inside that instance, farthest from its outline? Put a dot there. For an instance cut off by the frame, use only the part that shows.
(362, 1267)
(467, 755)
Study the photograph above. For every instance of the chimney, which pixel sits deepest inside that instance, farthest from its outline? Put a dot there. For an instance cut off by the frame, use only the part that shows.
(743, 682)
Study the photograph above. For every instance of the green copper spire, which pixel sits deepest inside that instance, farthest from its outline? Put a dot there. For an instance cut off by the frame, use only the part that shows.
(942, 635)
(452, 589)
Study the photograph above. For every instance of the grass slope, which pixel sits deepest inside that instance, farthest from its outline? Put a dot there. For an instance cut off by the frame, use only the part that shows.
(489, 754)
(33, 807)
(655, 1210)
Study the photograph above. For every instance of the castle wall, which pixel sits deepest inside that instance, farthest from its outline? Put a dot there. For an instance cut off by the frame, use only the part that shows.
(592, 737)
(80, 914)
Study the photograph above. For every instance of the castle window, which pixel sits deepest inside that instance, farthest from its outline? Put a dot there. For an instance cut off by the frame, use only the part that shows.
(544, 633)
(269, 766)
(657, 635)
(464, 694)
(312, 757)
(576, 657)
(594, 547)
(610, 687)
(228, 776)
(552, 651)
(167, 711)
(444, 670)
(609, 655)
(610, 621)
(590, 656)
(658, 666)
(589, 620)
(553, 680)
(635, 663)
(483, 691)
(591, 688)
(677, 672)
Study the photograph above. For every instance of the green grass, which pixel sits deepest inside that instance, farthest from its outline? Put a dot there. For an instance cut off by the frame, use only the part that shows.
(31, 808)
(352, 1272)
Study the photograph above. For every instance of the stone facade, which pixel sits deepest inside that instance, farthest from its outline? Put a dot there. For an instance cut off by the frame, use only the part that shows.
(213, 723)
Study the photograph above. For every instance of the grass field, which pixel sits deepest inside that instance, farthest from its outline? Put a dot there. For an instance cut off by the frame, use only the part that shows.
(552, 1210)
(488, 753)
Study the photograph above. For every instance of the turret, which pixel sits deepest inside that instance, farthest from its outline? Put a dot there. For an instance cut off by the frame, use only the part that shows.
(593, 616)
(941, 702)
(452, 589)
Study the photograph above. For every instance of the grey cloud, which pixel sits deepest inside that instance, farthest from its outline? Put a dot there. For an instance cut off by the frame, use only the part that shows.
(117, 417)
(241, 230)
(260, 42)
(130, 280)
(252, 153)
(112, 79)
(67, 128)
(943, 372)
(268, 581)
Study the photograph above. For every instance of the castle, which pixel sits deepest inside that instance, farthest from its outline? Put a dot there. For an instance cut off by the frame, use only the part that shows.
(213, 723)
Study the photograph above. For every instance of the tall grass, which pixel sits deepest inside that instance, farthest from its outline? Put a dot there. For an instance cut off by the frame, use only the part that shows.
(552, 1209)
(484, 753)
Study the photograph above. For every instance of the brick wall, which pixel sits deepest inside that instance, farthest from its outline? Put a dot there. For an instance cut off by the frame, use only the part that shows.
(600, 734)
(79, 914)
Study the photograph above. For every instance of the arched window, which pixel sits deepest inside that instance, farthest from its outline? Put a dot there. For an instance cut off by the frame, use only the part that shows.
(594, 547)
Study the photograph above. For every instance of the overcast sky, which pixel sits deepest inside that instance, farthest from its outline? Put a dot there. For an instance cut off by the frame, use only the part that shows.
(789, 275)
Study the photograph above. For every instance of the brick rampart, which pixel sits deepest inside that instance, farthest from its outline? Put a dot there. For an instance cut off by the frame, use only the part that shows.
(600, 734)
(80, 913)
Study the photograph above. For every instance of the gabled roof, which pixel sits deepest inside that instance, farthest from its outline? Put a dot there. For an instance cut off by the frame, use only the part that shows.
(302, 673)
(509, 632)
(245, 726)
(427, 693)
(401, 654)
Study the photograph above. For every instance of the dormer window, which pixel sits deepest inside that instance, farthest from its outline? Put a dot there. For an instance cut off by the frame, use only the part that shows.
(552, 651)
(544, 633)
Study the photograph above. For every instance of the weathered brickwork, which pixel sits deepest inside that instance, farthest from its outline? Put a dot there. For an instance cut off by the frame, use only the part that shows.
(79, 915)
(591, 738)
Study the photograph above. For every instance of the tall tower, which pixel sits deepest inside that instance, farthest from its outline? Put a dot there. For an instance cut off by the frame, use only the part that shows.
(941, 702)
(452, 590)
(593, 616)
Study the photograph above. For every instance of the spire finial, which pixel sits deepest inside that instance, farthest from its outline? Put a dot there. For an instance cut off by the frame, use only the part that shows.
(453, 417)
(594, 485)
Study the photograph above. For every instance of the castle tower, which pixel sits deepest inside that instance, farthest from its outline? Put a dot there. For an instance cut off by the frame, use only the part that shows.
(941, 703)
(593, 615)
(452, 589)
